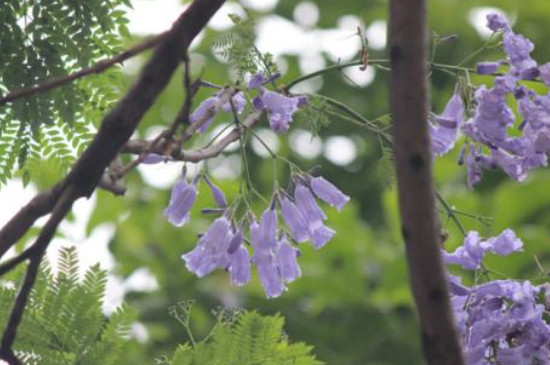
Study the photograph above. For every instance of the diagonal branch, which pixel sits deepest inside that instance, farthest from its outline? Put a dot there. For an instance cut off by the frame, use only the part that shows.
(420, 226)
(114, 132)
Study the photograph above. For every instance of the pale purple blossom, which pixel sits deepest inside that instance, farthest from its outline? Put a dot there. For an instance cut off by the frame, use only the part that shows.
(328, 193)
(294, 219)
(153, 158)
(287, 261)
(444, 133)
(209, 108)
(487, 68)
(280, 108)
(217, 193)
(211, 250)
(182, 199)
(239, 267)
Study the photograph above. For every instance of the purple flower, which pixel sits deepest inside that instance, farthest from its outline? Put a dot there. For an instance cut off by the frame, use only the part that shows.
(487, 68)
(205, 113)
(238, 102)
(470, 255)
(182, 199)
(506, 243)
(497, 22)
(492, 115)
(153, 158)
(305, 201)
(256, 81)
(263, 258)
(217, 193)
(518, 48)
(328, 193)
(294, 219)
(314, 216)
(544, 73)
(268, 230)
(270, 278)
(443, 134)
(280, 108)
(287, 262)
(208, 109)
(211, 250)
(239, 267)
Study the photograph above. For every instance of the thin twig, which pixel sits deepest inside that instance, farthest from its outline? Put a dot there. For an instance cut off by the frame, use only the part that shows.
(95, 69)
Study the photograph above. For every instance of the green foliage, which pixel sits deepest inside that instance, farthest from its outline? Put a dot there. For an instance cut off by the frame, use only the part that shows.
(237, 47)
(315, 114)
(64, 322)
(243, 339)
(43, 40)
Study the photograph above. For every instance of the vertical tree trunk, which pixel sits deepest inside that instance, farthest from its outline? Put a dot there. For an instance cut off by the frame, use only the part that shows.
(420, 226)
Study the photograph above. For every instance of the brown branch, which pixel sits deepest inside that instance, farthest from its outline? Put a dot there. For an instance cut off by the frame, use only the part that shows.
(420, 226)
(165, 144)
(20, 223)
(95, 69)
(137, 147)
(62, 207)
(116, 128)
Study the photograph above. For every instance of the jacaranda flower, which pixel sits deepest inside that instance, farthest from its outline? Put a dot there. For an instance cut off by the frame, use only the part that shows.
(182, 199)
(328, 193)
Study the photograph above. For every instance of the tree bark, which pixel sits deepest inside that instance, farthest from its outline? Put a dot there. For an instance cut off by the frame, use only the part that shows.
(420, 225)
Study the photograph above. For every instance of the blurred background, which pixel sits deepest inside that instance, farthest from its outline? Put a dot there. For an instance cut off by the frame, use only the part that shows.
(353, 302)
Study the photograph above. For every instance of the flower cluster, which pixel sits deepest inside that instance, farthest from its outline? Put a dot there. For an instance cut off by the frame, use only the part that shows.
(224, 246)
(502, 321)
(280, 108)
(489, 144)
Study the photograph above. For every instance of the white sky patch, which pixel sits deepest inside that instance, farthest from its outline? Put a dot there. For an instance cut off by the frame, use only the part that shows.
(306, 14)
(223, 167)
(478, 19)
(13, 197)
(340, 150)
(163, 175)
(269, 138)
(305, 144)
(152, 17)
(308, 86)
(220, 21)
(338, 43)
(311, 63)
(260, 5)
(357, 77)
(377, 34)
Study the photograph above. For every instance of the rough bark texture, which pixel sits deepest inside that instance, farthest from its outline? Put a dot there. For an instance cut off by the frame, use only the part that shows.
(420, 226)
(115, 130)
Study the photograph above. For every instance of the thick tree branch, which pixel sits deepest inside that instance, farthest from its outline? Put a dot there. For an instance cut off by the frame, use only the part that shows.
(62, 207)
(95, 69)
(420, 226)
(115, 130)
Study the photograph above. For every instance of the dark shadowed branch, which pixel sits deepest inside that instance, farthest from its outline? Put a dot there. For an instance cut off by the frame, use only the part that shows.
(115, 130)
(420, 226)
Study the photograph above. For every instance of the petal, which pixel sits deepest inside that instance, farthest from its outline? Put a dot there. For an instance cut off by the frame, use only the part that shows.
(239, 269)
(329, 193)
(305, 201)
(294, 220)
(287, 261)
(182, 199)
(217, 193)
